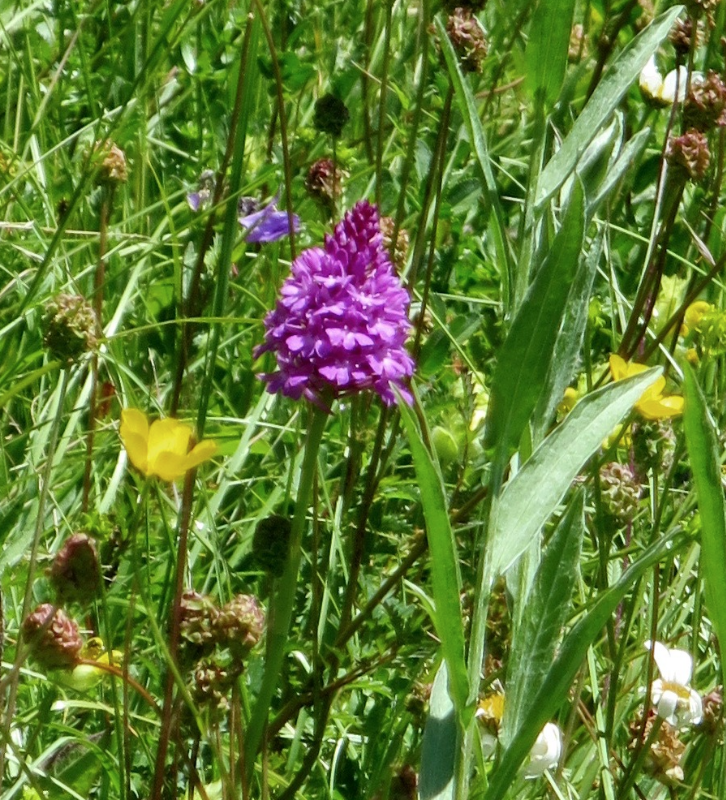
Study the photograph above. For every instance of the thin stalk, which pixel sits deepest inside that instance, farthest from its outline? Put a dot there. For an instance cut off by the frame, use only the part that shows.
(167, 716)
(283, 601)
(98, 282)
(382, 102)
(10, 683)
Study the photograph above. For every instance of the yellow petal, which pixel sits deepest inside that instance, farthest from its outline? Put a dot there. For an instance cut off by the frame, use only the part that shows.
(618, 367)
(134, 434)
(134, 421)
(654, 391)
(201, 452)
(169, 466)
(167, 436)
(661, 407)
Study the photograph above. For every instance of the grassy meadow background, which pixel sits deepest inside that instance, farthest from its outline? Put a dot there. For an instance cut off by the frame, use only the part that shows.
(454, 598)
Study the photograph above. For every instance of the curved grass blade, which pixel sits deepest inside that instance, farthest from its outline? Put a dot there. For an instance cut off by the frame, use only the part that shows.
(445, 575)
(703, 454)
(610, 91)
(527, 352)
(546, 53)
(532, 495)
(559, 678)
(440, 748)
(546, 610)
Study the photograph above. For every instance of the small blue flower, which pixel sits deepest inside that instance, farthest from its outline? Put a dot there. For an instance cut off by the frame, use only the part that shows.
(266, 225)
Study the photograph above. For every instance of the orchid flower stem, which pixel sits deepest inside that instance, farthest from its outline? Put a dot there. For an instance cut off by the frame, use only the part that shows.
(283, 600)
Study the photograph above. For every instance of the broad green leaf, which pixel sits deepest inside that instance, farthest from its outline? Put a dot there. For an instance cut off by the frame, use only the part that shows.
(526, 354)
(546, 53)
(703, 454)
(568, 344)
(625, 69)
(546, 610)
(440, 748)
(561, 674)
(535, 491)
(467, 106)
(444, 562)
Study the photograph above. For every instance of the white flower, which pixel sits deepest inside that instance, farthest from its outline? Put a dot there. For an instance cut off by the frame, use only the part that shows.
(663, 90)
(545, 752)
(677, 703)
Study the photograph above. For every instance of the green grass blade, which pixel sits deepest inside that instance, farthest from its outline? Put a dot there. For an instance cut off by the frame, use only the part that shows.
(563, 670)
(444, 561)
(467, 106)
(533, 494)
(546, 609)
(568, 344)
(439, 751)
(702, 443)
(526, 354)
(546, 53)
(610, 91)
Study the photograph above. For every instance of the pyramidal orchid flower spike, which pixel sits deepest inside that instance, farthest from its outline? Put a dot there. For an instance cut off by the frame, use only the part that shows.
(341, 323)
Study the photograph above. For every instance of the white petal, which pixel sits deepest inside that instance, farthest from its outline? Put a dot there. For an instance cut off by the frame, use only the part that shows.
(676, 78)
(545, 752)
(681, 667)
(488, 743)
(667, 706)
(695, 708)
(662, 656)
(651, 81)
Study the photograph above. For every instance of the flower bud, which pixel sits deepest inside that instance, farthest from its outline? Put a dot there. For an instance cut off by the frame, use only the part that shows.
(689, 154)
(619, 491)
(330, 115)
(324, 182)
(69, 328)
(76, 573)
(705, 105)
(53, 638)
(398, 250)
(271, 543)
(654, 444)
(445, 445)
(240, 624)
(467, 37)
(198, 618)
(211, 686)
(113, 167)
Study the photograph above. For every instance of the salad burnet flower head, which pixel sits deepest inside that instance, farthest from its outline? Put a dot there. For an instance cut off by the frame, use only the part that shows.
(340, 325)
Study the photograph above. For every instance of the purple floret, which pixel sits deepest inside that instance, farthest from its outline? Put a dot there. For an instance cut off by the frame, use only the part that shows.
(268, 224)
(341, 323)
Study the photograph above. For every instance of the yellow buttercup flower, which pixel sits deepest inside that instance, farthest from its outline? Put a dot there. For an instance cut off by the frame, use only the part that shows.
(695, 313)
(161, 448)
(84, 676)
(653, 404)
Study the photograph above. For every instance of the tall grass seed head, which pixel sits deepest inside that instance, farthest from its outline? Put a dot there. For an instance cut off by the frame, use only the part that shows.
(69, 328)
(53, 637)
(76, 572)
(341, 324)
